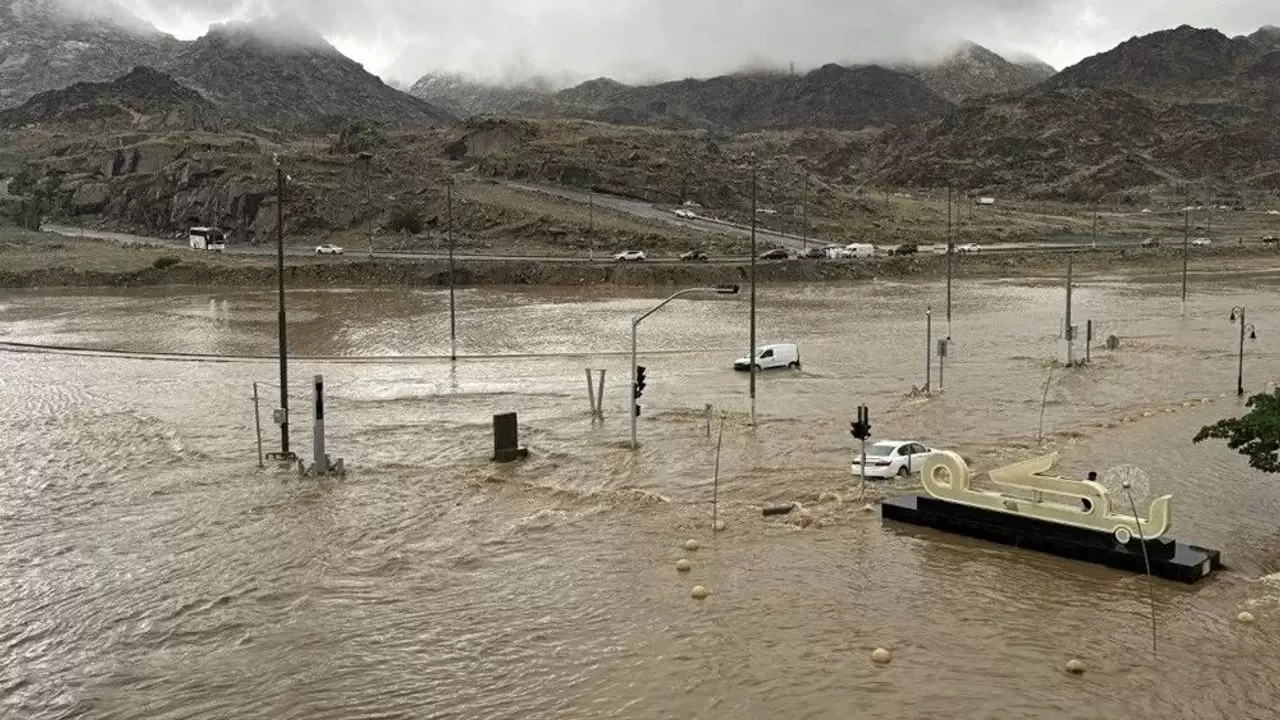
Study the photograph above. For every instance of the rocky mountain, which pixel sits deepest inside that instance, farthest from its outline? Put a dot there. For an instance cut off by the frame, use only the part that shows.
(466, 97)
(834, 97)
(50, 44)
(1169, 64)
(1171, 107)
(144, 99)
(975, 71)
(273, 74)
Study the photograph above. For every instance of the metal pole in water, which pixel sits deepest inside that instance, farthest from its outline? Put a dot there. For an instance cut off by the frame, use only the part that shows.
(1240, 369)
(715, 483)
(1068, 334)
(751, 356)
(928, 349)
(1186, 249)
(951, 249)
(453, 320)
(321, 466)
(600, 397)
(634, 324)
(708, 420)
(283, 336)
(591, 392)
(1151, 601)
(257, 424)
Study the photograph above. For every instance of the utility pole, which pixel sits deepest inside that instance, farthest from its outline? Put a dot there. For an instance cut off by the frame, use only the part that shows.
(591, 225)
(1067, 333)
(928, 350)
(751, 356)
(453, 320)
(1186, 248)
(1095, 227)
(284, 341)
(804, 208)
(951, 251)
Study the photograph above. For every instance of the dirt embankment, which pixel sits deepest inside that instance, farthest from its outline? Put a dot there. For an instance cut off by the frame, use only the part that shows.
(426, 273)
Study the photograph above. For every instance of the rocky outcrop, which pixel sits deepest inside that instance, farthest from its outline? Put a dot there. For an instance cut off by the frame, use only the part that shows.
(144, 99)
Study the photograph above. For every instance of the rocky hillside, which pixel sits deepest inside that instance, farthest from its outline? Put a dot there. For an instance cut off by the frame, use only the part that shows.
(145, 99)
(975, 71)
(1174, 107)
(263, 74)
(50, 44)
(831, 97)
(465, 97)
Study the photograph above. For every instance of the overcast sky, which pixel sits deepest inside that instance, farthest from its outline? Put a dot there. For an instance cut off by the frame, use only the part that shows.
(635, 40)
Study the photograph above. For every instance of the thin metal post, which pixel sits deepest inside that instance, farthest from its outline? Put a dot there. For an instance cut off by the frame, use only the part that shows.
(453, 320)
(1067, 333)
(1186, 249)
(751, 356)
(1088, 342)
(591, 392)
(708, 410)
(591, 226)
(715, 484)
(600, 397)
(928, 350)
(257, 424)
(1240, 369)
(951, 251)
(634, 324)
(804, 209)
(862, 491)
(282, 332)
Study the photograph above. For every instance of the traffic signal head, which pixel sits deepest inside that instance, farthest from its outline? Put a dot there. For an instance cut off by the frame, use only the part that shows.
(638, 388)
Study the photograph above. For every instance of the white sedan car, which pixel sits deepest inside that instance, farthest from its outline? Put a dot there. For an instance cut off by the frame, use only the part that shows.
(969, 248)
(328, 250)
(1202, 242)
(891, 458)
(630, 256)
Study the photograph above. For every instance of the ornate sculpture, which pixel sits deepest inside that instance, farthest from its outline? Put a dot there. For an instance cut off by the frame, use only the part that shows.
(1051, 498)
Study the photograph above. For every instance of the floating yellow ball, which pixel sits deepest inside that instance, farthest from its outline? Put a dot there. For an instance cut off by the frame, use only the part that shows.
(699, 593)
(1076, 667)
(721, 526)
(691, 545)
(683, 565)
(1246, 617)
(881, 656)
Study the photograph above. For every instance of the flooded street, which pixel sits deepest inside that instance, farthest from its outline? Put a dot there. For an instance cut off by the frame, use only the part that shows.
(151, 570)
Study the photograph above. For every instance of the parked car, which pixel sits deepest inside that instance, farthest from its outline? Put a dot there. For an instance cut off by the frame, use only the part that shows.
(892, 458)
(1271, 240)
(1202, 242)
(1151, 243)
(328, 250)
(686, 214)
(694, 256)
(969, 248)
(816, 253)
(630, 256)
(776, 254)
(905, 249)
(770, 357)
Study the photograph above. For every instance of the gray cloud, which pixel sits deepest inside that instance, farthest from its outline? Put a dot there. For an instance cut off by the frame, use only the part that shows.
(655, 39)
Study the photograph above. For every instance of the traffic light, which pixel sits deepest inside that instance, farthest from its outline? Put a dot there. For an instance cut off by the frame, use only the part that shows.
(637, 387)
(862, 427)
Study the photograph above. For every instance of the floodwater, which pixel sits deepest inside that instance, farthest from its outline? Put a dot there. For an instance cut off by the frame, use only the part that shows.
(151, 570)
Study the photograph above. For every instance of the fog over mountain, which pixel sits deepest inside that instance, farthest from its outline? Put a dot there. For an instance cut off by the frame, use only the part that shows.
(649, 40)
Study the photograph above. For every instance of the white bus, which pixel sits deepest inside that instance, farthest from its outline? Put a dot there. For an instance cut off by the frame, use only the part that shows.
(203, 238)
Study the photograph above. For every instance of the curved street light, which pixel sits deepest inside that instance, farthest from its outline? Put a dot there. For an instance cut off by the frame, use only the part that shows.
(635, 323)
(1246, 328)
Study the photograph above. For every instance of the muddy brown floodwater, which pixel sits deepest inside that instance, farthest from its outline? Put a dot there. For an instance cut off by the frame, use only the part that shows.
(150, 570)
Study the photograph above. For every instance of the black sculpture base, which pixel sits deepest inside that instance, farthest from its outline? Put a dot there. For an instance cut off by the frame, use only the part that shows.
(1170, 559)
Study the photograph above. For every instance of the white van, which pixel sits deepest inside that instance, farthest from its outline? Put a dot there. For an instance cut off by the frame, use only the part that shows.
(860, 250)
(770, 357)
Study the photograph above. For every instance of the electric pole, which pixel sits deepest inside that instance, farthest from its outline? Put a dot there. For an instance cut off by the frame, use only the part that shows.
(751, 356)
(453, 320)
(283, 336)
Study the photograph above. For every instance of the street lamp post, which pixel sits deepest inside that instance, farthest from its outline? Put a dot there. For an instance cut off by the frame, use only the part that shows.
(635, 323)
(285, 453)
(951, 251)
(751, 352)
(1237, 315)
(453, 320)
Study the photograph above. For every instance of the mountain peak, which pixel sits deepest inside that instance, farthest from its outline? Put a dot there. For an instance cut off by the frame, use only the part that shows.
(971, 70)
(282, 32)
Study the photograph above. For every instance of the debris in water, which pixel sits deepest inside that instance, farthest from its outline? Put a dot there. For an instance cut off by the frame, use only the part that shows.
(783, 509)
(1246, 617)
(691, 545)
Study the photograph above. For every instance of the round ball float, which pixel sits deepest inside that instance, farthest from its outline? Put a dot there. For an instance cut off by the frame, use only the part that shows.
(699, 593)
